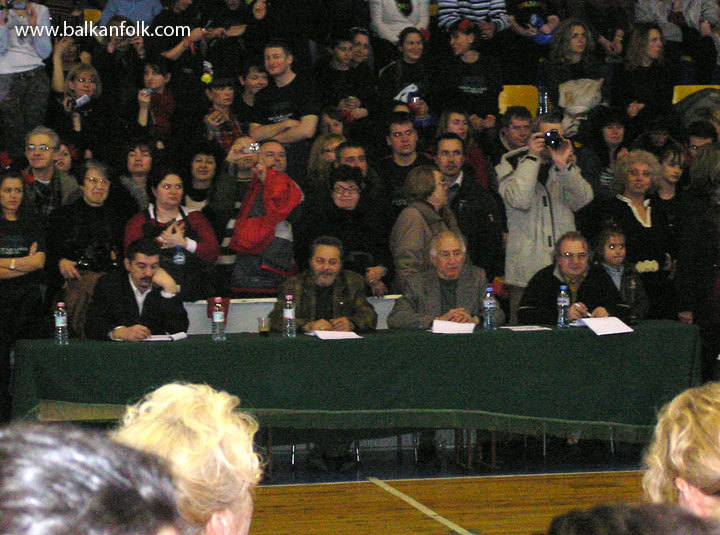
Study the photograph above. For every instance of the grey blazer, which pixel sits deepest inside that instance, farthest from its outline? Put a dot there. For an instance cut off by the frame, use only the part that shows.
(420, 304)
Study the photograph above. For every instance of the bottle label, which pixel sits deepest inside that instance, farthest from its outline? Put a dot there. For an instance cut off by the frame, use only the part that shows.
(61, 321)
(563, 301)
(289, 313)
(218, 316)
(489, 302)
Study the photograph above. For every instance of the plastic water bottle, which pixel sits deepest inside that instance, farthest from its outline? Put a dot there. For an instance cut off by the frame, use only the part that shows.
(179, 256)
(489, 309)
(289, 326)
(61, 325)
(543, 101)
(563, 306)
(218, 321)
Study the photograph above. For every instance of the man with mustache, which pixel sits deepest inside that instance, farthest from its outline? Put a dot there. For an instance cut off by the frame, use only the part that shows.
(135, 304)
(327, 298)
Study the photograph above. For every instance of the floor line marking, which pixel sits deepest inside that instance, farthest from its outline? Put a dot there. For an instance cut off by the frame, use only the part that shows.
(420, 507)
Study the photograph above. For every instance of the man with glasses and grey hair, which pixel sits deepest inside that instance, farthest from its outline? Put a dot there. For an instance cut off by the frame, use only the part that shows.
(452, 290)
(572, 262)
(48, 188)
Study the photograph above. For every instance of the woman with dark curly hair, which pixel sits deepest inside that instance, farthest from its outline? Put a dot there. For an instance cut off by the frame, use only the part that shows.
(571, 58)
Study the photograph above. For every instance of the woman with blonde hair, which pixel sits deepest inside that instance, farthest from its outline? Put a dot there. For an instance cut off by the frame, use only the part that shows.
(647, 233)
(682, 463)
(209, 445)
(320, 163)
(81, 116)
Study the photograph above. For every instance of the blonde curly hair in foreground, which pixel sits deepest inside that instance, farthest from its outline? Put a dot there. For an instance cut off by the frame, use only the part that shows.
(208, 442)
(686, 444)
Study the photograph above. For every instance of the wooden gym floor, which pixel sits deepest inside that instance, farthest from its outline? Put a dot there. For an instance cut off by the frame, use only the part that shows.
(487, 505)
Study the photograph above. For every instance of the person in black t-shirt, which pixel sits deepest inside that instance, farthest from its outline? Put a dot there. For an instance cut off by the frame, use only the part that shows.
(402, 139)
(286, 110)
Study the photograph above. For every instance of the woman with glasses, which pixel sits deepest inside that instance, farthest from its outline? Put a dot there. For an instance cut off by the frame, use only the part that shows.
(344, 211)
(22, 256)
(80, 116)
(647, 233)
(189, 246)
(85, 241)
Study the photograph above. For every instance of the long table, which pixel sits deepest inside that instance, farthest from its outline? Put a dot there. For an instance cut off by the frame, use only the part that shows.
(553, 381)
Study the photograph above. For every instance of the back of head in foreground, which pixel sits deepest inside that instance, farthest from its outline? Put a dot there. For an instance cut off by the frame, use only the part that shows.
(682, 463)
(209, 444)
(625, 519)
(57, 480)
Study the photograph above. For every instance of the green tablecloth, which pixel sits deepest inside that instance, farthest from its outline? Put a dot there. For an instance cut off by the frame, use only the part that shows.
(528, 382)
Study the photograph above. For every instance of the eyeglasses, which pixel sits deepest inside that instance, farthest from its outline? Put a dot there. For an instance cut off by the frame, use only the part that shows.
(578, 256)
(95, 180)
(339, 190)
(43, 148)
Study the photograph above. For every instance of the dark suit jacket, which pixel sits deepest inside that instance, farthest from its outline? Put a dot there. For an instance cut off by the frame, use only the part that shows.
(420, 304)
(113, 305)
(480, 214)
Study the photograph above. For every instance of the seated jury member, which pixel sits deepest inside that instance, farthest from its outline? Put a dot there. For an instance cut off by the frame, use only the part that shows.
(572, 261)
(327, 297)
(131, 306)
(452, 290)
(209, 445)
(64, 481)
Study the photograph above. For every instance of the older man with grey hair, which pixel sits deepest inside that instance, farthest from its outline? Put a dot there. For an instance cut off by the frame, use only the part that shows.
(49, 188)
(452, 290)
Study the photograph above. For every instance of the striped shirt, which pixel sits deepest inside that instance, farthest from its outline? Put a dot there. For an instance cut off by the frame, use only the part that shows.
(451, 11)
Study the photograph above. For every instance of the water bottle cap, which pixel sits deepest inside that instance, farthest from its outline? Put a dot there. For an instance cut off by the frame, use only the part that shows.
(488, 289)
(288, 297)
(178, 247)
(217, 299)
(563, 287)
(61, 304)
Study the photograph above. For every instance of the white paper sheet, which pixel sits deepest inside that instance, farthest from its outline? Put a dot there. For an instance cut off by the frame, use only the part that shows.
(602, 326)
(521, 328)
(452, 327)
(166, 337)
(336, 335)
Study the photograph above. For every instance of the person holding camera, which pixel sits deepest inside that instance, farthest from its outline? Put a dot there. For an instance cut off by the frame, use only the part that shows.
(541, 187)
(24, 85)
(84, 241)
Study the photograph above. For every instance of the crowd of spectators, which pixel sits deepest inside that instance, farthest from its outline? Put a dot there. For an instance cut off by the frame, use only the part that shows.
(265, 126)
